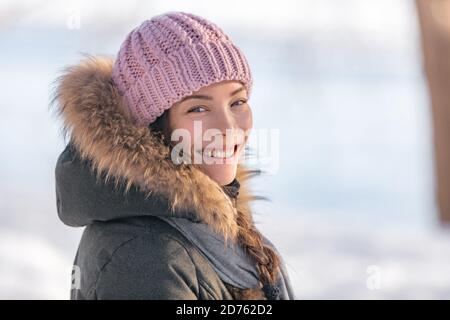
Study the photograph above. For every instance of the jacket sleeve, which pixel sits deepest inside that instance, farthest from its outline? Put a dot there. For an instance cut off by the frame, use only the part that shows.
(142, 269)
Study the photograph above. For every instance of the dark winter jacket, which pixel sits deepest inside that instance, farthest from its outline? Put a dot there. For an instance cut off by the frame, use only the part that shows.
(117, 180)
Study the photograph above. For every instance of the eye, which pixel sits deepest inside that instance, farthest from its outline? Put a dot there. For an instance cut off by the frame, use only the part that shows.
(196, 109)
(239, 102)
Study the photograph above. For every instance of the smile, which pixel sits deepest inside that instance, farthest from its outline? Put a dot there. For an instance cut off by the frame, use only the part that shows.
(220, 154)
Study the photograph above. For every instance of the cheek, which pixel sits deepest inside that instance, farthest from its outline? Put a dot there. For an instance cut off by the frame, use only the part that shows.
(181, 127)
(245, 120)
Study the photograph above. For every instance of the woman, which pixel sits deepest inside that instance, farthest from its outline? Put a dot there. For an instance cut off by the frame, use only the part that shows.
(160, 223)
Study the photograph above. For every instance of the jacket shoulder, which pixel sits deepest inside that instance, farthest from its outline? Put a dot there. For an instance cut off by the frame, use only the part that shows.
(149, 266)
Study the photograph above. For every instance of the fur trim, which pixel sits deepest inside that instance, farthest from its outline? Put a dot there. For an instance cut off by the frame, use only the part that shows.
(101, 129)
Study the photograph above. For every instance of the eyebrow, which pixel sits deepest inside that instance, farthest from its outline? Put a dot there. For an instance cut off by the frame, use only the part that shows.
(200, 96)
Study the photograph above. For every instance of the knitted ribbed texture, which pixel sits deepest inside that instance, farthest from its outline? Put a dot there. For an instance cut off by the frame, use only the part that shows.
(171, 56)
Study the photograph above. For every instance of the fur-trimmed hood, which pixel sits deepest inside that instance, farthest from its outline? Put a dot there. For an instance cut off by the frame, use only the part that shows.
(102, 135)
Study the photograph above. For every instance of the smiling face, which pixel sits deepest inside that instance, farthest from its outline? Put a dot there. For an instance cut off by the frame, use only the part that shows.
(218, 121)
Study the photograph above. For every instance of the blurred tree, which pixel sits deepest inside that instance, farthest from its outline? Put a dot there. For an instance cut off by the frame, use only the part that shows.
(434, 19)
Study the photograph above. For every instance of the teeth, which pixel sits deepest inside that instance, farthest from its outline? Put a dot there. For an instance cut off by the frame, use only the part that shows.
(219, 153)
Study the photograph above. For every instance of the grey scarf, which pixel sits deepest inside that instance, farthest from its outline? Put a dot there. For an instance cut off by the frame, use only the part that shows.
(229, 260)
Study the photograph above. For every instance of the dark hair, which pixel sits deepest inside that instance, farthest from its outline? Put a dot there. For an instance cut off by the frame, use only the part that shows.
(161, 128)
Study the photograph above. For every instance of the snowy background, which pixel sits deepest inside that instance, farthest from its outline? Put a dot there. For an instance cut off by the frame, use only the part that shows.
(352, 188)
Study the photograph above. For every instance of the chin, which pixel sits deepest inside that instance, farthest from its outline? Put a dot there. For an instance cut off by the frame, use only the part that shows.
(221, 173)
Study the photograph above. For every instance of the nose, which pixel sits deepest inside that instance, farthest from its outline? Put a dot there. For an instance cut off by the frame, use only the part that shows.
(225, 124)
(224, 121)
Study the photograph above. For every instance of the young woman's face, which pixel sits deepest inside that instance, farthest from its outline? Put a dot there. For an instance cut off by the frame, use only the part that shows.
(218, 120)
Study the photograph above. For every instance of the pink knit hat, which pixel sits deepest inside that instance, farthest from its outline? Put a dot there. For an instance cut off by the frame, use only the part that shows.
(171, 56)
